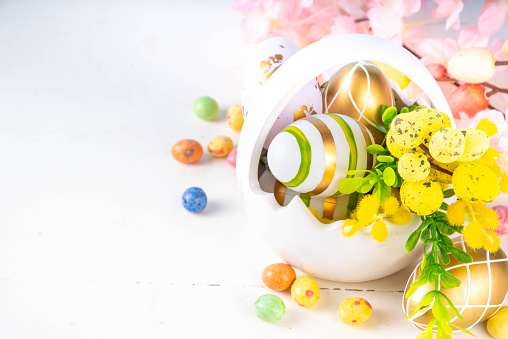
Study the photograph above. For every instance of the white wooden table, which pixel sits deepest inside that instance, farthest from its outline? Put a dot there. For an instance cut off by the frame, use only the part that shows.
(94, 242)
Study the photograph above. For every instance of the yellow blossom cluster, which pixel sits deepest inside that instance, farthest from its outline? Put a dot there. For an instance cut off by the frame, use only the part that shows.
(482, 221)
(370, 213)
(493, 159)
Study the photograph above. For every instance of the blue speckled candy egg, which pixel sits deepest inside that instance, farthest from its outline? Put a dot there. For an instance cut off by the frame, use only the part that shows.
(194, 199)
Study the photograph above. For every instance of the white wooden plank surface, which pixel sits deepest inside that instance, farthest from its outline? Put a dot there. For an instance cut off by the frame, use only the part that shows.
(93, 240)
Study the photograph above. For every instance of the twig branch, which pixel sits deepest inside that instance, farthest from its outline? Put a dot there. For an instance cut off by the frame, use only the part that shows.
(502, 63)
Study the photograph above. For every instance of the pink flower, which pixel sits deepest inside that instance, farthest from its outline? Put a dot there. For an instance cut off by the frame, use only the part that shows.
(493, 16)
(502, 216)
(450, 9)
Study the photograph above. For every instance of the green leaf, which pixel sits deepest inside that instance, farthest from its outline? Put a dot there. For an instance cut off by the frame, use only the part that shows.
(444, 206)
(460, 255)
(441, 333)
(437, 269)
(445, 229)
(412, 240)
(350, 185)
(446, 328)
(404, 110)
(422, 280)
(379, 172)
(440, 311)
(411, 108)
(366, 187)
(375, 149)
(385, 158)
(382, 128)
(389, 176)
(445, 259)
(462, 329)
(452, 307)
(425, 234)
(420, 107)
(448, 280)
(388, 115)
(383, 109)
(448, 193)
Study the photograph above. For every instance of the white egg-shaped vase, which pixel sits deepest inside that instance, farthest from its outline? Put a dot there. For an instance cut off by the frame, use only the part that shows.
(292, 231)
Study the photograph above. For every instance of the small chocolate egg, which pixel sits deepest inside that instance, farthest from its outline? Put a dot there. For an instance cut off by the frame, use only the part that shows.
(187, 151)
(354, 311)
(473, 65)
(305, 291)
(312, 155)
(278, 277)
(220, 146)
(234, 118)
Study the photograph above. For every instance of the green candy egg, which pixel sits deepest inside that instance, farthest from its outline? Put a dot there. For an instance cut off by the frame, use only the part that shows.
(269, 308)
(205, 108)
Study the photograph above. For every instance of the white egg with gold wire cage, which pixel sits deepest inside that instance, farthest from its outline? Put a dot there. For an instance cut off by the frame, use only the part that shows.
(289, 228)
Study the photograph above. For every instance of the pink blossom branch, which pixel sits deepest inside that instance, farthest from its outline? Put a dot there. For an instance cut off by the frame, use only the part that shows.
(494, 89)
(501, 63)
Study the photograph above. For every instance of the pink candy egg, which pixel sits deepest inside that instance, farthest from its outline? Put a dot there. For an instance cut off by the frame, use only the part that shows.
(231, 159)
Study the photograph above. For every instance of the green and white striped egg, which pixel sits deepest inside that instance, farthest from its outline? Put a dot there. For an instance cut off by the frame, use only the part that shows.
(312, 155)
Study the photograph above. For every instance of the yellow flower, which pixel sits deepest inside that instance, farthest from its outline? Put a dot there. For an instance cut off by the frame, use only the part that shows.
(456, 213)
(487, 217)
(474, 235)
(490, 156)
(390, 205)
(492, 241)
(367, 208)
(487, 126)
(401, 217)
(503, 183)
(379, 231)
(350, 227)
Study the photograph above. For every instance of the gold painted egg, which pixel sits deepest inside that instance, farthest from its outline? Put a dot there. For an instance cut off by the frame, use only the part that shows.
(359, 90)
(482, 291)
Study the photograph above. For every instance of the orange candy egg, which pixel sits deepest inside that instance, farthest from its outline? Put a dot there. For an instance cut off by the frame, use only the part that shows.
(187, 151)
(279, 277)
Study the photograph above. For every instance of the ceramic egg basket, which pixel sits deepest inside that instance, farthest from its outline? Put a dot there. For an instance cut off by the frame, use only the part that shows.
(292, 231)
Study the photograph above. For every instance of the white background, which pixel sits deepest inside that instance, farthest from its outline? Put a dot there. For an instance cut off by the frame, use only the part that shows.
(94, 242)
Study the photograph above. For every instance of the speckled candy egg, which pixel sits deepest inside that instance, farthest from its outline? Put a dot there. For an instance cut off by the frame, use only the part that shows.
(423, 197)
(268, 56)
(413, 166)
(497, 325)
(475, 182)
(477, 143)
(407, 130)
(269, 308)
(194, 199)
(187, 151)
(305, 291)
(473, 65)
(395, 149)
(312, 155)
(220, 146)
(447, 145)
(354, 311)
(433, 120)
(234, 118)
(278, 277)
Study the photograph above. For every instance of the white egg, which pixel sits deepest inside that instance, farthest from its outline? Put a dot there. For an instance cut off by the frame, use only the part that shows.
(473, 65)
(266, 59)
(312, 155)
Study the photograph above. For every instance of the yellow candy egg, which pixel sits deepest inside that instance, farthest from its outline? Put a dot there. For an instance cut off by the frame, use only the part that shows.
(354, 311)
(220, 146)
(477, 143)
(395, 149)
(441, 176)
(407, 130)
(305, 291)
(423, 197)
(473, 65)
(505, 47)
(498, 324)
(414, 166)
(475, 182)
(234, 118)
(447, 145)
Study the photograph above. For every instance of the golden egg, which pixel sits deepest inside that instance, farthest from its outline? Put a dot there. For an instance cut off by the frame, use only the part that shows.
(359, 90)
(482, 291)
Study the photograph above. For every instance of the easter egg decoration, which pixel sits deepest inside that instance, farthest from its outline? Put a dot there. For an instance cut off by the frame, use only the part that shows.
(359, 90)
(473, 65)
(312, 155)
(266, 59)
(482, 291)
